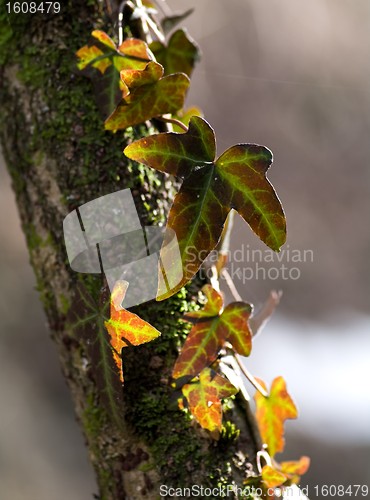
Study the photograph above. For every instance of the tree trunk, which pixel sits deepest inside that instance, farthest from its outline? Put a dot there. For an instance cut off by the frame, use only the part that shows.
(60, 157)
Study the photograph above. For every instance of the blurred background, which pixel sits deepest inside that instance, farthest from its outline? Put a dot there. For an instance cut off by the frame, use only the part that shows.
(295, 77)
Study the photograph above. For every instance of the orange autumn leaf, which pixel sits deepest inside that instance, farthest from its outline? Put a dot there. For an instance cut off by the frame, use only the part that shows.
(204, 397)
(280, 474)
(272, 477)
(214, 325)
(126, 328)
(271, 413)
(295, 469)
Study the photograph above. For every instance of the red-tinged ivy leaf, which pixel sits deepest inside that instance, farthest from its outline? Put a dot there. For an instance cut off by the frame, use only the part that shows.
(86, 318)
(138, 49)
(213, 305)
(102, 61)
(210, 189)
(179, 56)
(271, 413)
(149, 95)
(184, 116)
(272, 477)
(204, 398)
(126, 328)
(104, 39)
(296, 467)
(285, 472)
(206, 338)
(92, 56)
(132, 53)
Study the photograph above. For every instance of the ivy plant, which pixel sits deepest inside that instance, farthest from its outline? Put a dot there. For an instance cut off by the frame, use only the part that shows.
(136, 82)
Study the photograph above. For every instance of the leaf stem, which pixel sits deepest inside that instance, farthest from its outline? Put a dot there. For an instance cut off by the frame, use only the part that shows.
(174, 121)
(249, 376)
(234, 292)
(258, 321)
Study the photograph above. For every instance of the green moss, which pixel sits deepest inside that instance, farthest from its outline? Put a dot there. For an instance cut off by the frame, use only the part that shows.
(65, 304)
(229, 433)
(34, 241)
(93, 418)
(46, 296)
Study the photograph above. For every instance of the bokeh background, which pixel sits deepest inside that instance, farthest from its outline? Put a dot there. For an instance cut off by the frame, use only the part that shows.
(296, 77)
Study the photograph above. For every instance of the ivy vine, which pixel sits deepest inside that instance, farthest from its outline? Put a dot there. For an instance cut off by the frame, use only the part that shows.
(136, 82)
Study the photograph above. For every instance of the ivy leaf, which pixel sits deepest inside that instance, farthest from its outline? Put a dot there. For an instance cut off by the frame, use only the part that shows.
(146, 95)
(204, 397)
(285, 472)
(170, 22)
(272, 477)
(271, 413)
(179, 56)
(126, 328)
(104, 338)
(296, 467)
(132, 53)
(102, 61)
(184, 116)
(215, 326)
(86, 318)
(210, 189)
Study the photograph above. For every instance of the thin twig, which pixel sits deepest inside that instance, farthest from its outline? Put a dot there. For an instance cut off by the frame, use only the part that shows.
(234, 292)
(259, 320)
(120, 21)
(144, 22)
(163, 7)
(249, 376)
(174, 121)
(153, 26)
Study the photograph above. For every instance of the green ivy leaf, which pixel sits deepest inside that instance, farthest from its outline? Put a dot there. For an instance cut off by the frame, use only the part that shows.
(204, 397)
(210, 189)
(146, 95)
(214, 327)
(179, 56)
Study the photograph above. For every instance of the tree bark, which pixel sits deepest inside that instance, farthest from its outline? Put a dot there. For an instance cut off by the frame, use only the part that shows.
(60, 157)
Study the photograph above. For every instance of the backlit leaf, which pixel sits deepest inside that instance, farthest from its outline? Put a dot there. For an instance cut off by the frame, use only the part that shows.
(179, 56)
(210, 189)
(86, 319)
(105, 337)
(184, 116)
(279, 474)
(102, 61)
(126, 328)
(271, 413)
(104, 39)
(204, 398)
(92, 56)
(207, 336)
(296, 467)
(147, 95)
(272, 477)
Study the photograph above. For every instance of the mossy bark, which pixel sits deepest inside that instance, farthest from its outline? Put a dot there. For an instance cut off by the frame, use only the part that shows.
(59, 157)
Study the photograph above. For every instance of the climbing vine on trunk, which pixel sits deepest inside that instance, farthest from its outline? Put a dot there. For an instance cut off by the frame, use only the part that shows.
(134, 83)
